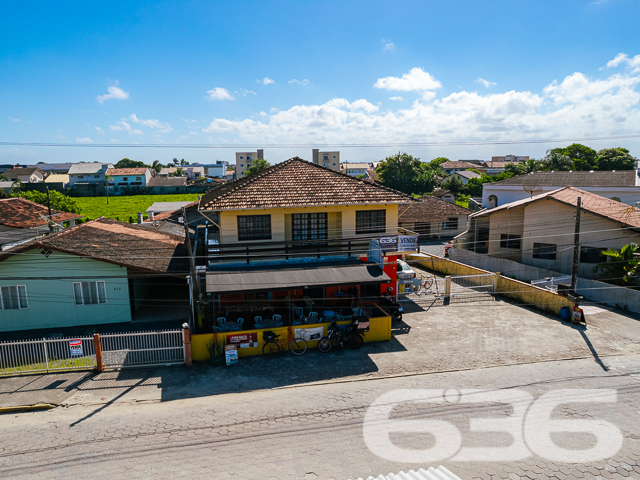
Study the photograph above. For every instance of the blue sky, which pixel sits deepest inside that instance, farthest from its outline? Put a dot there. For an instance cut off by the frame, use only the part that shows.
(462, 79)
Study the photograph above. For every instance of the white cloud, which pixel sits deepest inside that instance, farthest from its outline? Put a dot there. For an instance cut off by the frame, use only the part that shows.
(388, 45)
(484, 82)
(99, 130)
(574, 107)
(304, 82)
(245, 92)
(162, 127)
(397, 99)
(115, 93)
(416, 80)
(219, 93)
(632, 63)
(84, 140)
(124, 126)
(61, 137)
(15, 119)
(266, 81)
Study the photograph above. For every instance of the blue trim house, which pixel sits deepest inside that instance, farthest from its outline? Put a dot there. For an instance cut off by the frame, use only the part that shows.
(100, 272)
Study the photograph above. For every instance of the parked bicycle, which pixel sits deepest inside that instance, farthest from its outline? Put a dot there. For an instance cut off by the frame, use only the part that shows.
(423, 284)
(270, 343)
(298, 346)
(352, 336)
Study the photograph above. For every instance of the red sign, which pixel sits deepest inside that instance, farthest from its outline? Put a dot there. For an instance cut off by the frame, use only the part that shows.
(242, 338)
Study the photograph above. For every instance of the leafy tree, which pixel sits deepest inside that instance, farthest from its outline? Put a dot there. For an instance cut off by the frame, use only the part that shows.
(557, 161)
(3, 178)
(454, 184)
(157, 166)
(616, 159)
(436, 162)
(429, 179)
(177, 173)
(474, 187)
(258, 165)
(623, 267)
(58, 200)
(401, 172)
(584, 158)
(16, 188)
(128, 163)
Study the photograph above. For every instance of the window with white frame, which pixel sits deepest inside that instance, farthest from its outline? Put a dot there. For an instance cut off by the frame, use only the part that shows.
(13, 297)
(89, 293)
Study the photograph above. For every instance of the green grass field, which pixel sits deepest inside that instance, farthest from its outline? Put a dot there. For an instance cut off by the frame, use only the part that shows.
(123, 207)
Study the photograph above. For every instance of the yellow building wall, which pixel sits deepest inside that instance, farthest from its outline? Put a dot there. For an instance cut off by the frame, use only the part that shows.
(379, 329)
(341, 220)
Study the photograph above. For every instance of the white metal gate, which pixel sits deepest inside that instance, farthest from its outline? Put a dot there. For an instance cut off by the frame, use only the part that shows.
(470, 285)
(137, 349)
(47, 354)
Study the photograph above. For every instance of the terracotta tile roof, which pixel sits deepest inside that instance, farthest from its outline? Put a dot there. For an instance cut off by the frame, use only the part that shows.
(496, 164)
(429, 209)
(459, 164)
(126, 171)
(621, 178)
(438, 193)
(297, 182)
(590, 202)
(22, 213)
(120, 243)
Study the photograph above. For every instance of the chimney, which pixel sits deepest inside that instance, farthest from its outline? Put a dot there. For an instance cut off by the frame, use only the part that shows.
(151, 216)
(139, 217)
(260, 153)
(314, 156)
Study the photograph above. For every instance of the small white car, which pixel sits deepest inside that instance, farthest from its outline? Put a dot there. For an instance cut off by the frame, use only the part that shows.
(404, 271)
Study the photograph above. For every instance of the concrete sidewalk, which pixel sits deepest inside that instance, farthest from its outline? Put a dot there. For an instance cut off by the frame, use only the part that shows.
(451, 338)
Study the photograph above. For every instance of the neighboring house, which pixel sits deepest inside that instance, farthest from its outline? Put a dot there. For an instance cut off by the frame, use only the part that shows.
(229, 175)
(433, 217)
(6, 186)
(623, 186)
(7, 166)
(216, 170)
(539, 231)
(58, 178)
(511, 158)
(464, 176)
(100, 272)
(244, 161)
(459, 166)
(446, 195)
(25, 175)
(326, 159)
(163, 207)
(354, 169)
(88, 173)
(371, 175)
(53, 168)
(495, 168)
(192, 172)
(128, 178)
(296, 232)
(160, 185)
(21, 219)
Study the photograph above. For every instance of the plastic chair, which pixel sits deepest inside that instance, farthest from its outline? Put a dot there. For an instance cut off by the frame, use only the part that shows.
(357, 311)
(313, 317)
(240, 322)
(279, 324)
(216, 329)
(257, 319)
(221, 320)
(297, 311)
(339, 318)
(277, 318)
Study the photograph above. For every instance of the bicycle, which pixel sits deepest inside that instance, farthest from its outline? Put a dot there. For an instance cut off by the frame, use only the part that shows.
(352, 337)
(424, 285)
(298, 346)
(270, 343)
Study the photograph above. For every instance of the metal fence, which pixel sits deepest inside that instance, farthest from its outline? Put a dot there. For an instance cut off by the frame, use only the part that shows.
(139, 349)
(47, 354)
(472, 285)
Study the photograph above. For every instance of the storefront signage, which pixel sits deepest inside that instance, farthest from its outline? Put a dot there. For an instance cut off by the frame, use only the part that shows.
(389, 244)
(75, 346)
(407, 243)
(245, 340)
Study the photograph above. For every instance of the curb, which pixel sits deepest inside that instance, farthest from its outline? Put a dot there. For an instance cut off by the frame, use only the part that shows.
(26, 408)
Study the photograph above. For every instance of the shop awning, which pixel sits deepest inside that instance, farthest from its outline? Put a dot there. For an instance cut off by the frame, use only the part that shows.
(226, 282)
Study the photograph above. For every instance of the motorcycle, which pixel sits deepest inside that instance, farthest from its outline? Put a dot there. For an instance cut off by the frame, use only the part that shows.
(352, 336)
(389, 304)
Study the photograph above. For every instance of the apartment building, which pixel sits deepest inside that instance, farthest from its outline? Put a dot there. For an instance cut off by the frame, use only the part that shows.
(326, 159)
(244, 161)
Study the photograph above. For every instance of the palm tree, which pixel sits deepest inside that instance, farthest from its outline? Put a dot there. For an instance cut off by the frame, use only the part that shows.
(622, 267)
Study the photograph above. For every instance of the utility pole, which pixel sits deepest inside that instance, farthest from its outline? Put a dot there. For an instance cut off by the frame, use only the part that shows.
(576, 249)
(195, 285)
(49, 206)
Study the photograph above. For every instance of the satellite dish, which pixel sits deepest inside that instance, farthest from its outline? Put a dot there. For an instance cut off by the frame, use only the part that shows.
(374, 254)
(533, 189)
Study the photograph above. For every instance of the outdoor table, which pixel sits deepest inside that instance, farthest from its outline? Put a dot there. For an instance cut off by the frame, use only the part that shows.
(230, 327)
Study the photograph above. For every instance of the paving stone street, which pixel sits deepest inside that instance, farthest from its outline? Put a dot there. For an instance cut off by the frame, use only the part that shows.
(303, 417)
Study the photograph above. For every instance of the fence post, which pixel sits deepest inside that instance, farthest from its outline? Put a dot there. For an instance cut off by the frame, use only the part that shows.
(187, 345)
(447, 286)
(98, 348)
(496, 277)
(46, 354)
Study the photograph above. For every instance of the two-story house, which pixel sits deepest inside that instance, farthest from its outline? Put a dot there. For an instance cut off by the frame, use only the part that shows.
(25, 175)
(128, 178)
(88, 173)
(295, 238)
(354, 169)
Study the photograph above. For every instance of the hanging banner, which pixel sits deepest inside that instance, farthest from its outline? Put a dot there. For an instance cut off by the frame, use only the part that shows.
(388, 244)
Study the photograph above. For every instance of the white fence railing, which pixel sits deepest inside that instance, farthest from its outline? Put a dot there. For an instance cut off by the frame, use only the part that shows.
(116, 350)
(47, 354)
(462, 285)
